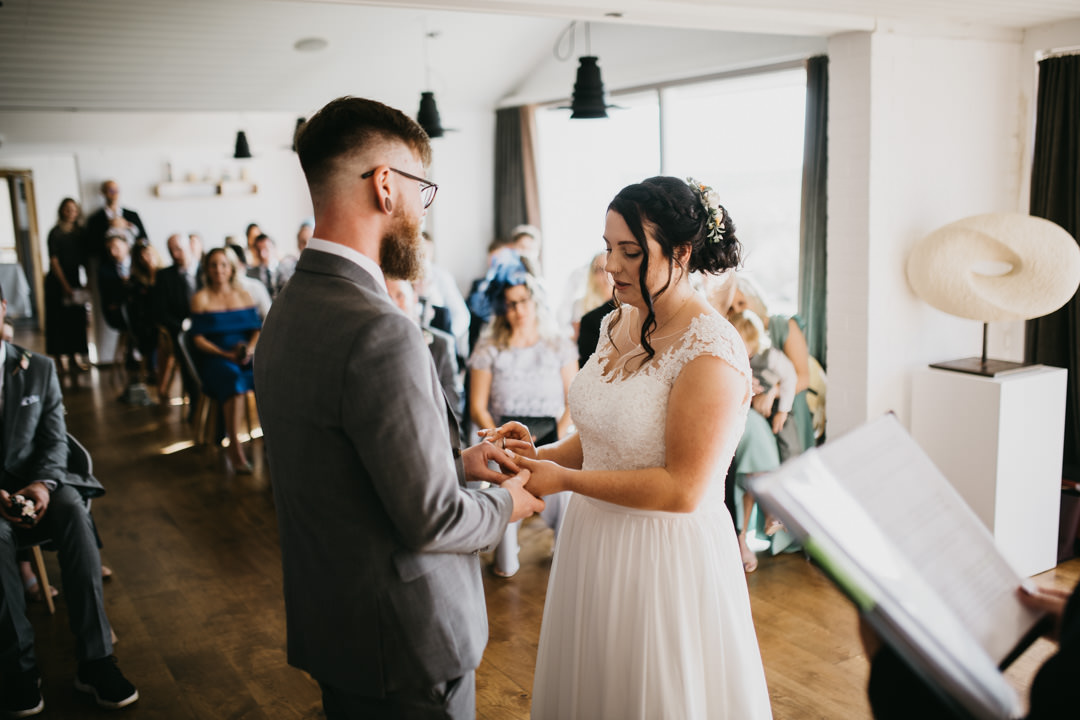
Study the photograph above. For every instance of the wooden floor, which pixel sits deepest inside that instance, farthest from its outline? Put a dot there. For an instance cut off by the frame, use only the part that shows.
(196, 596)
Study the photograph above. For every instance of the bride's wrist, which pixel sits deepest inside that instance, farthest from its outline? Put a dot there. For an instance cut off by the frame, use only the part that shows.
(569, 479)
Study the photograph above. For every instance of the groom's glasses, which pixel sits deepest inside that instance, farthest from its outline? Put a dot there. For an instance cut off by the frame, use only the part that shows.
(427, 189)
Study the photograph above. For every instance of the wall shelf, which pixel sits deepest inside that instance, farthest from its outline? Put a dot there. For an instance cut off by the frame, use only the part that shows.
(205, 189)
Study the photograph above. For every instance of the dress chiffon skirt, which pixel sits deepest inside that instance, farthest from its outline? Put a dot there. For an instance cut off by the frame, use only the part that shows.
(648, 618)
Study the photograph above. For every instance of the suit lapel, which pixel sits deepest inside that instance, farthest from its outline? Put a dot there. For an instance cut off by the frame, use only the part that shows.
(14, 379)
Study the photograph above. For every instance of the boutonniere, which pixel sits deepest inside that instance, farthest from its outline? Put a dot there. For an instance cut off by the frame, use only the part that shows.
(24, 362)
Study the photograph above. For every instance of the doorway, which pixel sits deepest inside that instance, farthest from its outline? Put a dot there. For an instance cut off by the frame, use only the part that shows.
(21, 275)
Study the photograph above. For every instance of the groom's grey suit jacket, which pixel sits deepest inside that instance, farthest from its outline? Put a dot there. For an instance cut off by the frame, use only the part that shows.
(378, 532)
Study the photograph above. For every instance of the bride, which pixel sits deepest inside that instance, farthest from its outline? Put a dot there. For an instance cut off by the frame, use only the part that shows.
(647, 612)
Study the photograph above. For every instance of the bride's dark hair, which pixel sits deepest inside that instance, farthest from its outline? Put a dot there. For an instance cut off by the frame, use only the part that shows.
(673, 214)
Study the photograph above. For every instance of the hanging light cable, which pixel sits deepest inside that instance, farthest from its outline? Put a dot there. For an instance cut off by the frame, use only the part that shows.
(587, 101)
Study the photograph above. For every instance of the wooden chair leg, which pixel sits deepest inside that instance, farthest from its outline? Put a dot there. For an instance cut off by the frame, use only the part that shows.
(43, 578)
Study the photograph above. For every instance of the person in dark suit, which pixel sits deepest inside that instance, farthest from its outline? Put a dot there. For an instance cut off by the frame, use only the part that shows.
(589, 332)
(896, 692)
(114, 275)
(442, 345)
(34, 451)
(173, 289)
(265, 266)
(348, 394)
(102, 219)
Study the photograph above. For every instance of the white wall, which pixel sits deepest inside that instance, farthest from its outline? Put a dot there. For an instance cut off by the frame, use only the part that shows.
(71, 154)
(462, 219)
(943, 143)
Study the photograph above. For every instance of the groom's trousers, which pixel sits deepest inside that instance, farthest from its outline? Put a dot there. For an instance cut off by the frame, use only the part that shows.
(450, 700)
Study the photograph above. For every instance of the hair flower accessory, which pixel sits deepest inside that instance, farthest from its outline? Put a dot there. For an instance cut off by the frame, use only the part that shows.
(710, 200)
(506, 271)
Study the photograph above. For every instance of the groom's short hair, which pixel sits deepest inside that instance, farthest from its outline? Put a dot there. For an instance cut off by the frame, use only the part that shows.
(348, 126)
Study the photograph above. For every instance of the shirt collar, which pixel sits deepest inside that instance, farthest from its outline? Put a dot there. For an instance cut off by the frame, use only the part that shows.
(351, 255)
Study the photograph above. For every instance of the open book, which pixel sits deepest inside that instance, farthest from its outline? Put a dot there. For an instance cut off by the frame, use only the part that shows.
(887, 527)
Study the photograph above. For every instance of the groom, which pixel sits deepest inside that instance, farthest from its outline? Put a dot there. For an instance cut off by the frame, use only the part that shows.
(383, 597)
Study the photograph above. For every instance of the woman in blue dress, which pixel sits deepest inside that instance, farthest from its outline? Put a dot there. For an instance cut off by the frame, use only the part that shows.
(224, 330)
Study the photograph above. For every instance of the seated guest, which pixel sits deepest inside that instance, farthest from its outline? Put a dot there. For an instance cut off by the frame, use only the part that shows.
(441, 344)
(35, 466)
(224, 330)
(521, 370)
(140, 302)
(438, 294)
(265, 266)
(303, 235)
(173, 289)
(253, 231)
(113, 276)
(254, 288)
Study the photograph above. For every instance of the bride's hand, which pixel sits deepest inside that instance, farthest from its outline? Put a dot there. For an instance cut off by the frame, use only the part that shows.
(512, 436)
(546, 477)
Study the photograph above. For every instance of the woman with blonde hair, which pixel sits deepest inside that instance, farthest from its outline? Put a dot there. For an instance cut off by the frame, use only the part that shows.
(224, 330)
(785, 333)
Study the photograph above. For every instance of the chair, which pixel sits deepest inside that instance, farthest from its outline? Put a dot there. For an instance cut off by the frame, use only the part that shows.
(80, 469)
(208, 410)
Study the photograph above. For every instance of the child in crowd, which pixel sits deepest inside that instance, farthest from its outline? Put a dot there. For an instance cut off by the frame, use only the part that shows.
(770, 436)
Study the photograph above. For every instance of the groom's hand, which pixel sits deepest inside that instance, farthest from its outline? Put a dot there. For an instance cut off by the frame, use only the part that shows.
(476, 459)
(525, 503)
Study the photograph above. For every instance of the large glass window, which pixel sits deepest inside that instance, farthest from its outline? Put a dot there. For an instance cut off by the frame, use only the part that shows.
(741, 135)
(744, 137)
(581, 165)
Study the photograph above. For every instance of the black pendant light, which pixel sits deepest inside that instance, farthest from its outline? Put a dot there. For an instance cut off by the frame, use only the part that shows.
(588, 99)
(242, 149)
(428, 115)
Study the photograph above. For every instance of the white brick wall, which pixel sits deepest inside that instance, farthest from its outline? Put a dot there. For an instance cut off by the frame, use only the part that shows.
(923, 131)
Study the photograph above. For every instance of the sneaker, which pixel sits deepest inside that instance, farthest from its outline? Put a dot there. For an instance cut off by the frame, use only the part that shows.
(21, 695)
(103, 678)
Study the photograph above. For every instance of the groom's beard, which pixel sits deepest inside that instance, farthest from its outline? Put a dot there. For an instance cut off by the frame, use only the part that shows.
(400, 253)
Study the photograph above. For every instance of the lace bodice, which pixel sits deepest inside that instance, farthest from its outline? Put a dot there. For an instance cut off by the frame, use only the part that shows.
(621, 416)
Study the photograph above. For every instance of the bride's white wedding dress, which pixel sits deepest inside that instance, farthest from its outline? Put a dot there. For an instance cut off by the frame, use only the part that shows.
(647, 613)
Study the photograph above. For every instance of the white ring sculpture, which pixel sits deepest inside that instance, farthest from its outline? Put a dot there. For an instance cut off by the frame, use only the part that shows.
(947, 268)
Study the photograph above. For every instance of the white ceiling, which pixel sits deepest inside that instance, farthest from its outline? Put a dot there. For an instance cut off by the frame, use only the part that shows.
(229, 55)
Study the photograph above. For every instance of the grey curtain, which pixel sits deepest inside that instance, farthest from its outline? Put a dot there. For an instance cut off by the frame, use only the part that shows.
(516, 197)
(1055, 188)
(812, 245)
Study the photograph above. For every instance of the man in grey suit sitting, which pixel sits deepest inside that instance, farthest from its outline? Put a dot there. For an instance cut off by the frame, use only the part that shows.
(34, 451)
(379, 534)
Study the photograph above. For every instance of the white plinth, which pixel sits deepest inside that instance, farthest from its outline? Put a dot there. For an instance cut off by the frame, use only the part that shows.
(999, 442)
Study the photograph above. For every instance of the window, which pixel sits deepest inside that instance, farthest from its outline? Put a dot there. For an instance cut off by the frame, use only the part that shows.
(742, 135)
(582, 164)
